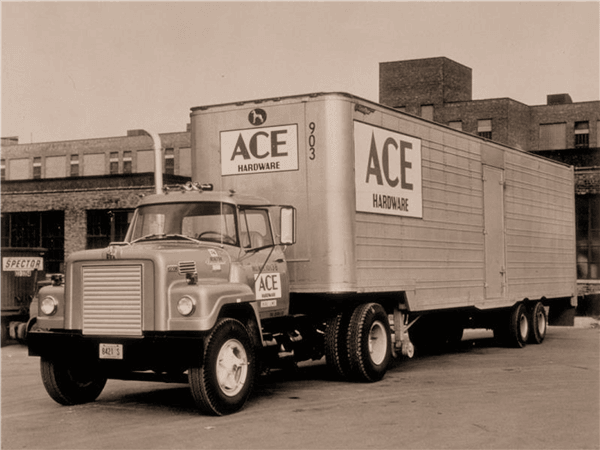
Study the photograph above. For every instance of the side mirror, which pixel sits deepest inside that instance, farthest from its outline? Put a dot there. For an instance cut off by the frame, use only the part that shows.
(288, 225)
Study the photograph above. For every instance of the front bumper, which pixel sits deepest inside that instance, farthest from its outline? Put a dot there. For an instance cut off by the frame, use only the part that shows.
(152, 351)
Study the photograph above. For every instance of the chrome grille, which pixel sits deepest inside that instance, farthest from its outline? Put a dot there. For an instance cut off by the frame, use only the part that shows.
(112, 300)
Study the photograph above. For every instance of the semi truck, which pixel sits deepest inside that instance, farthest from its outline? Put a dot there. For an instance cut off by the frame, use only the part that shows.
(315, 226)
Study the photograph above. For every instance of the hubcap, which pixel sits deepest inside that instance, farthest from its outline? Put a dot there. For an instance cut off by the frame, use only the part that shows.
(541, 323)
(232, 367)
(523, 326)
(377, 342)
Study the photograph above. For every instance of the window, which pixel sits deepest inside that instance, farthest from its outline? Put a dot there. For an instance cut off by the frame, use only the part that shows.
(553, 136)
(114, 163)
(37, 229)
(427, 112)
(255, 231)
(74, 166)
(145, 161)
(456, 125)
(588, 236)
(484, 128)
(127, 166)
(185, 162)
(169, 161)
(3, 169)
(37, 168)
(106, 226)
(582, 134)
(55, 166)
(94, 164)
(208, 221)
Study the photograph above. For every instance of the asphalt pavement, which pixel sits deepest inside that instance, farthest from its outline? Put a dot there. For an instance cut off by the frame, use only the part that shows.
(478, 397)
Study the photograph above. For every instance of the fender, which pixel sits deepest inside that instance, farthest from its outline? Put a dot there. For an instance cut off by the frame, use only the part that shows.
(209, 299)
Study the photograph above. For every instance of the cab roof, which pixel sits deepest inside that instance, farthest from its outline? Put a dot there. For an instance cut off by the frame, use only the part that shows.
(204, 196)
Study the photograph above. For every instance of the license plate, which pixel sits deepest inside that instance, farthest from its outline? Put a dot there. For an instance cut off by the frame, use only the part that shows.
(111, 351)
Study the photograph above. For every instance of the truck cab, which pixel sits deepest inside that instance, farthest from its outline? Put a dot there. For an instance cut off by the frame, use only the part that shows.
(197, 275)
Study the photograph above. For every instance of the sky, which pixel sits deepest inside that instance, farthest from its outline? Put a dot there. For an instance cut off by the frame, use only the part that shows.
(79, 70)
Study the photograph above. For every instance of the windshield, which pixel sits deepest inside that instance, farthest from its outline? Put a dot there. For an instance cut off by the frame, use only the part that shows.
(207, 221)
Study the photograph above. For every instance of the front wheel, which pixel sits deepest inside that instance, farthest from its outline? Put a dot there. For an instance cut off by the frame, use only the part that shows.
(72, 383)
(369, 342)
(224, 381)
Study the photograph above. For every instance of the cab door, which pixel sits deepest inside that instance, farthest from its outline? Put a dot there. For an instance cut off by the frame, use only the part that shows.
(266, 261)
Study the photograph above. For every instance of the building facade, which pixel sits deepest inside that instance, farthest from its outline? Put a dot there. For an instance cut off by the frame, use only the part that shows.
(440, 90)
(75, 195)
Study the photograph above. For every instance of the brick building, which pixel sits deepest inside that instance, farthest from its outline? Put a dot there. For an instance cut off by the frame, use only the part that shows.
(72, 195)
(440, 90)
(75, 195)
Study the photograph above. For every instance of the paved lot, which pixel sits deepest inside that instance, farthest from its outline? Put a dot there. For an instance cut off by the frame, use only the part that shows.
(480, 396)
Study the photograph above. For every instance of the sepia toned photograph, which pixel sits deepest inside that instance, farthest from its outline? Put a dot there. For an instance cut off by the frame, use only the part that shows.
(300, 225)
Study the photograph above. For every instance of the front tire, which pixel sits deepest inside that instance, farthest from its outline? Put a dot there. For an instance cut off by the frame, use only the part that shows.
(369, 343)
(224, 381)
(72, 383)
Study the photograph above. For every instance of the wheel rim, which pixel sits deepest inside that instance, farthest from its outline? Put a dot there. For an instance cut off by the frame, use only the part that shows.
(541, 323)
(232, 367)
(377, 342)
(523, 326)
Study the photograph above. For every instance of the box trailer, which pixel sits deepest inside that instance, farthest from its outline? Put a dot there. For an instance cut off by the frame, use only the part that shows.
(338, 228)
(392, 203)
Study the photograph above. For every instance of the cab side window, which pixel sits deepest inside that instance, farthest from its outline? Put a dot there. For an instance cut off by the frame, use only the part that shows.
(255, 228)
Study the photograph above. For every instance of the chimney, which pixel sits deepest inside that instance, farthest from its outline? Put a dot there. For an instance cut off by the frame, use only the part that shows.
(558, 99)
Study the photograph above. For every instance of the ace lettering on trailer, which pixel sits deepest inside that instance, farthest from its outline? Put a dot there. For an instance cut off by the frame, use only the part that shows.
(388, 172)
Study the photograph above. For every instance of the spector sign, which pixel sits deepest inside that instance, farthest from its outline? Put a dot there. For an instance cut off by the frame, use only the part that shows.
(18, 263)
(259, 150)
(388, 172)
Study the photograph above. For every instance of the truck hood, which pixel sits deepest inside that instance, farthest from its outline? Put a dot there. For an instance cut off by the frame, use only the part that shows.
(174, 257)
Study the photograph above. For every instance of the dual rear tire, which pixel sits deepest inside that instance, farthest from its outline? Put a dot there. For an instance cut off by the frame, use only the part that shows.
(358, 343)
(524, 325)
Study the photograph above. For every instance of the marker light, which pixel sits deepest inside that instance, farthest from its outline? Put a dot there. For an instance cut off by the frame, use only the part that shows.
(186, 306)
(49, 306)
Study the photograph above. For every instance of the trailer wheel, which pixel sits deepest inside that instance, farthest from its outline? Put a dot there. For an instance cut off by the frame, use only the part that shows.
(538, 323)
(336, 346)
(514, 332)
(369, 342)
(224, 381)
(72, 383)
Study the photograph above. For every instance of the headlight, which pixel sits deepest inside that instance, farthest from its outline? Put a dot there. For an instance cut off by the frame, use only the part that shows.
(186, 306)
(48, 305)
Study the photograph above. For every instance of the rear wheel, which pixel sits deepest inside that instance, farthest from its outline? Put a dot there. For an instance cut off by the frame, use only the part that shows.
(538, 323)
(72, 383)
(513, 330)
(336, 347)
(224, 381)
(369, 343)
